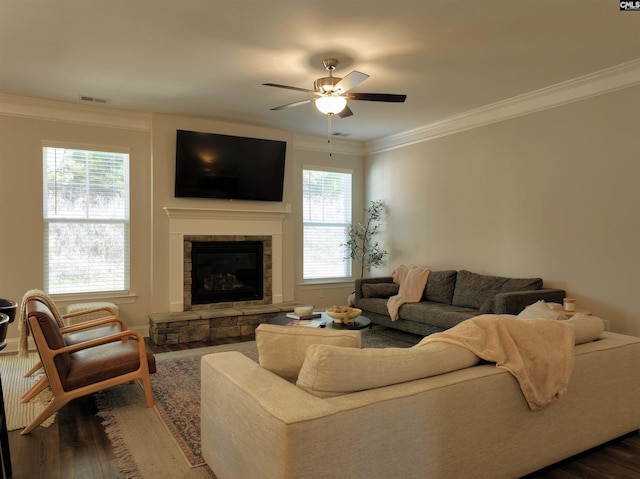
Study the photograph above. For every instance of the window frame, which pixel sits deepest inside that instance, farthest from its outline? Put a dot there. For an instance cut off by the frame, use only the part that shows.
(348, 277)
(125, 221)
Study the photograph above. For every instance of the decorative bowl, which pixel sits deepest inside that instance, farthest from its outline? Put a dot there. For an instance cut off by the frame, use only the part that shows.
(302, 310)
(347, 317)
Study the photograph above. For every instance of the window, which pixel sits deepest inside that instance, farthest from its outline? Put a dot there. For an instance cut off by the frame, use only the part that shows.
(86, 221)
(326, 219)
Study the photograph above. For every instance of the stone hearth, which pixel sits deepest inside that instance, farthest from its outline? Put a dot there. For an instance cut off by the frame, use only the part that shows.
(211, 324)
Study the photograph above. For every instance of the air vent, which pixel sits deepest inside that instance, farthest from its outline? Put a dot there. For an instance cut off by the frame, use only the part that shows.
(337, 133)
(93, 99)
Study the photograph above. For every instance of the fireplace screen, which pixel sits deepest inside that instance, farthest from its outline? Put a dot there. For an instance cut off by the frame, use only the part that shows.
(226, 271)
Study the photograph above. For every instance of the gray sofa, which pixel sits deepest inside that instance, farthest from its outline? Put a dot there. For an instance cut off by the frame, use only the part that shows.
(449, 298)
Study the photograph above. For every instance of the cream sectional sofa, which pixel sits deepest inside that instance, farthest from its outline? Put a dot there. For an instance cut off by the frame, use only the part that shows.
(470, 422)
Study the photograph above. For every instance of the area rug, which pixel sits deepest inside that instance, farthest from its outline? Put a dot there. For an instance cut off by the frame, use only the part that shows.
(14, 385)
(139, 433)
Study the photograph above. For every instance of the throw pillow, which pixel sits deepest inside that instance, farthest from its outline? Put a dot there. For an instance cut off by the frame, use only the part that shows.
(282, 349)
(540, 310)
(332, 371)
(379, 290)
(588, 328)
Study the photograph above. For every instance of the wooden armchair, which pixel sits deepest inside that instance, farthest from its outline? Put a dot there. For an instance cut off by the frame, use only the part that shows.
(75, 334)
(76, 370)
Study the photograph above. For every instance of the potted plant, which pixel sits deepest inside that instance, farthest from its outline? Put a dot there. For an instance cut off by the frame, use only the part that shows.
(362, 246)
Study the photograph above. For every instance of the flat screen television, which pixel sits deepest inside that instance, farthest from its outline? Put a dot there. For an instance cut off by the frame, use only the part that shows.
(209, 165)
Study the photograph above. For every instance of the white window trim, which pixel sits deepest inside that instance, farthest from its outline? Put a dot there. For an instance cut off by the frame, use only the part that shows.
(338, 281)
(122, 296)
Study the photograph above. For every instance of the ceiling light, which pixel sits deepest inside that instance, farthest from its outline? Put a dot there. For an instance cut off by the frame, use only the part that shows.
(330, 105)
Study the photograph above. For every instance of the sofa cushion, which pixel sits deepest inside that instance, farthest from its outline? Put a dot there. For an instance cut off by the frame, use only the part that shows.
(380, 290)
(332, 371)
(521, 284)
(440, 286)
(475, 290)
(478, 291)
(441, 315)
(540, 310)
(281, 349)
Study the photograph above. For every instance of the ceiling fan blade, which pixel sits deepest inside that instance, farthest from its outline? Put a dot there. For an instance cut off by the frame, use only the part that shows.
(346, 112)
(289, 87)
(291, 105)
(388, 97)
(352, 80)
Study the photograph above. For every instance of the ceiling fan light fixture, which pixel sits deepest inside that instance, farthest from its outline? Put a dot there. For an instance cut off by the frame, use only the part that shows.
(331, 105)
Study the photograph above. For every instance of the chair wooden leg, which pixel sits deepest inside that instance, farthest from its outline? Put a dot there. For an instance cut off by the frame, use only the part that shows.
(55, 404)
(42, 383)
(32, 371)
(145, 382)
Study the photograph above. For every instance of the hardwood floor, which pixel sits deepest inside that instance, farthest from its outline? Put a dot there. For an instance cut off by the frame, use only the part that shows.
(76, 446)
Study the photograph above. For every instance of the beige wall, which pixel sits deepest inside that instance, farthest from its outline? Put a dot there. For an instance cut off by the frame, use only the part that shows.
(21, 241)
(151, 141)
(551, 194)
(299, 153)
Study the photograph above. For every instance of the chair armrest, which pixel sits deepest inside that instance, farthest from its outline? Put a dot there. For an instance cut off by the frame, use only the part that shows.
(92, 323)
(515, 302)
(99, 341)
(361, 281)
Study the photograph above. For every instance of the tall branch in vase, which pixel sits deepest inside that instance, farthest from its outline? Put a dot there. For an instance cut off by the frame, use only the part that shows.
(362, 246)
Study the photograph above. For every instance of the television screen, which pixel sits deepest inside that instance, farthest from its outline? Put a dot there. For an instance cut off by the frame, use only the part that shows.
(210, 165)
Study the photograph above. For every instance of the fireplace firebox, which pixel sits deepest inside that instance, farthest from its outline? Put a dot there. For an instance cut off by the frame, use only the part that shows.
(226, 271)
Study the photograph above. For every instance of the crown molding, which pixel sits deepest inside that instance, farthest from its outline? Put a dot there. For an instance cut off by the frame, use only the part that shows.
(27, 107)
(618, 77)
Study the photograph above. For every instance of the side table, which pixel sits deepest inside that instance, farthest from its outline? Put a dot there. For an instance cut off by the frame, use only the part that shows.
(570, 314)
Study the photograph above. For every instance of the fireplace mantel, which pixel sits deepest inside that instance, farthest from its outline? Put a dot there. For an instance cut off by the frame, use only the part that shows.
(212, 221)
(226, 214)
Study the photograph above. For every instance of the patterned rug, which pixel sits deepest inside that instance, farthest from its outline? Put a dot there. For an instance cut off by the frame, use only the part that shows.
(176, 386)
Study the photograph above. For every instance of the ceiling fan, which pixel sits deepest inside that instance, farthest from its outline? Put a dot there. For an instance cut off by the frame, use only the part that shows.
(331, 93)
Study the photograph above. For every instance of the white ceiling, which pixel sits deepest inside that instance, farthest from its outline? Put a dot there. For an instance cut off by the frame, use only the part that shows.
(209, 57)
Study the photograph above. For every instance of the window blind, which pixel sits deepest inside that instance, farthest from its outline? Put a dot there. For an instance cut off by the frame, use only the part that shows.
(326, 218)
(86, 221)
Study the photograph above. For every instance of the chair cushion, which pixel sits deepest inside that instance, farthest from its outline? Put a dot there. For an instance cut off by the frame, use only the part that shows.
(103, 362)
(89, 334)
(281, 349)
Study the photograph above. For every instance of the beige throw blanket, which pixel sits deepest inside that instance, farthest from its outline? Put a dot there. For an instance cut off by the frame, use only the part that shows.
(538, 352)
(412, 281)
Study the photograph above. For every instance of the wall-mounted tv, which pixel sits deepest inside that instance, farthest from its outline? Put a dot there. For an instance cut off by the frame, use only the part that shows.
(209, 165)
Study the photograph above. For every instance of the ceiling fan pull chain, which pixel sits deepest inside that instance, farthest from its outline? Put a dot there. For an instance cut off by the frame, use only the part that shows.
(329, 133)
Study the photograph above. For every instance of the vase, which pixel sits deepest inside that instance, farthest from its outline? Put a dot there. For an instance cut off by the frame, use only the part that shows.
(4, 326)
(9, 308)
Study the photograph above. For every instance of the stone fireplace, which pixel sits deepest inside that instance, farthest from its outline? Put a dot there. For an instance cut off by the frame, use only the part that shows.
(185, 224)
